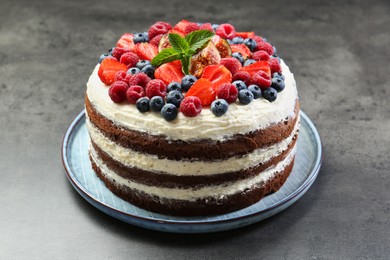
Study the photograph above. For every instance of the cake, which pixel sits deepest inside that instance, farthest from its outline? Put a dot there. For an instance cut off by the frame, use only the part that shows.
(192, 119)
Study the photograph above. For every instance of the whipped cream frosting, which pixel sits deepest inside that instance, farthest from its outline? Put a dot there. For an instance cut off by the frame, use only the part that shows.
(239, 119)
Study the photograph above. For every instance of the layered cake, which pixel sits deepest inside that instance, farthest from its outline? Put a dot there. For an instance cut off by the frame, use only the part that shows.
(192, 119)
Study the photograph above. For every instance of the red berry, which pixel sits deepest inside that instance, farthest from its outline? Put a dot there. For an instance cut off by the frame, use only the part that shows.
(126, 41)
(117, 52)
(130, 59)
(232, 64)
(186, 27)
(255, 67)
(244, 76)
(156, 40)
(120, 76)
(245, 35)
(204, 90)
(169, 72)
(158, 28)
(217, 75)
(265, 46)
(207, 26)
(117, 91)
(134, 93)
(145, 50)
(241, 48)
(191, 27)
(107, 70)
(191, 106)
(274, 65)
(260, 55)
(156, 87)
(228, 92)
(261, 79)
(140, 79)
(226, 31)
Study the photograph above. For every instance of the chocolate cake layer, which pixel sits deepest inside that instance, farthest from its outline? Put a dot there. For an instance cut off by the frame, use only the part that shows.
(204, 150)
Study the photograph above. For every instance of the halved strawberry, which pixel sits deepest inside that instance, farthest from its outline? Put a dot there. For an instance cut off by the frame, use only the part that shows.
(169, 72)
(108, 68)
(255, 67)
(126, 41)
(203, 89)
(186, 27)
(241, 48)
(217, 75)
(145, 51)
(245, 34)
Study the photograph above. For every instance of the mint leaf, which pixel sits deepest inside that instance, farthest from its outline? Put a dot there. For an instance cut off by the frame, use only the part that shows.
(185, 63)
(197, 39)
(178, 43)
(166, 55)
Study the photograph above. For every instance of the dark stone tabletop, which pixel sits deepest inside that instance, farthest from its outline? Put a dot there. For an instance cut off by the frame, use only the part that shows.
(339, 53)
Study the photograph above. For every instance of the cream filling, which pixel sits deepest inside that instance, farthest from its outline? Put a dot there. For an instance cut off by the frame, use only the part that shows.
(152, 163)
(239, 119)
(218, 191)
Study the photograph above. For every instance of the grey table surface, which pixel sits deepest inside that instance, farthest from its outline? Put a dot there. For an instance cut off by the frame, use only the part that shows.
(339, 53)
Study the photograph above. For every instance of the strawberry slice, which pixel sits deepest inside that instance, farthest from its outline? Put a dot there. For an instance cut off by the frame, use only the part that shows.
(145, 51)
(203, 89)
(217, 75)
(126, 41)
(241, 48)
(169, 72)
(255, 67)
(108, 68)
(245, 34)
(186, 27)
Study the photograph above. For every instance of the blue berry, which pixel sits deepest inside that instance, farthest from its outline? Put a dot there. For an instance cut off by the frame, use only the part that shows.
(274, 48)
(142, 104)
(270, 94)
(219, 107)
(278, 75)
(245, 96)
(238, 56)
(175, 97)
(251, 44)
(239, 84)
(111, 50)
(249, 62)
(173, 86)
(142, 63)
(103, 56)
(169, 112)
(277, 84)
(156, 103)
(133, 71)
(237, 40)
(256, 91)
(275, 56)
(149, 70)
(230, 41)
(214, 26)
(140, 37)
(187, 82)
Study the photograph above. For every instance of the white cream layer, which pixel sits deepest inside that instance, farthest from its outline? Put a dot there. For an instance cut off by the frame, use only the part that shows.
(240, 119)
(152, 163)
(218, 191)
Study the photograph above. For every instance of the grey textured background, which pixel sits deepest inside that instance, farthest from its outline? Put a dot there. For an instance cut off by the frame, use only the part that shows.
(339, 53)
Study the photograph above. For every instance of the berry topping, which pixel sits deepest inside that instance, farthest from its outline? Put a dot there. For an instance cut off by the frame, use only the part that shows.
(278, 75)
(169, 72)
(203, 89)
(245, 96)
(191, 106)
(255, 67)
(217, 75)
(238, 56)
(256, 91)
(187, 82)
(156, 87)
(260, 55)
(133, 71)
(245, 35)
(159, 28)
(249, 62)
(140, 37)
(270, 94)
(237, 40)
(275, 66)
(140, 79)
(277, 84)
(227, 92)
(207, 26)
(261, 79)
(117, 91)
(241, 48)
(145, 50)
(105, 56)
(107, 70)
(265, 46)
(232, 64)
(142, 104)
(149, 70)
(134, 93)
(251, 44)
(142, 63)
(240, 85)
(156, 40)
(169, 112)
(156, 103)
(117, 52)
(126, 41)
(175, 97)
(173, 86)
(130, 59)
(120, 76)
(226, 31)
(186, 27)
(243, 75)
(219, 107)
(214, 26)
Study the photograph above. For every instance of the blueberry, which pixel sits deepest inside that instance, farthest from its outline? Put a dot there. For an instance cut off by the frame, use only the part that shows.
(156, 103)
(230, 41)
(270, 94)
(273, 46)
(237, 40)
(111, 50)
(278, 75)
(187, 82)
(142, 104)
(173, 86)
(149, 70)
(251, 44)
(275, 56)
(133, 71)
(103, 56)
(219, 107)
(245, 96)
(238, 56)
(239, 84)
(169, 112)
(214, 26)
(277, 84)
(142, 63)
(256, 91)
(140, 37)
(175, 97)
(249, 62)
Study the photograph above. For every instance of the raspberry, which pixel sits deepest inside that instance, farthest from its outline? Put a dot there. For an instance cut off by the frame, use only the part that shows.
(120, 76)
(158, 28)
(191, 27)
(156, 87)
(156, 40)
(231, 64)
(206, 26)
(191, 106)
(134, 92)
(260, 55)
(274, 65)
(261, 79)
(258, 40)
(117, 52)
(226, 31)
(265, 46)
(117, 91)
(140, 79)
(244, 76)
(228, 92)
(130, 59)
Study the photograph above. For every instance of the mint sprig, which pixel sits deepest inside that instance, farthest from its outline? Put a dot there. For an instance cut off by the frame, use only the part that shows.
(183, 48)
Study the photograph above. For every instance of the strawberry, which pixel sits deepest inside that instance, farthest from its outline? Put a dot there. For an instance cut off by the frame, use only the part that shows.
(241, 48)
(217, 75)
(108, 68)
(169, 72)
(126, 41)
(245, 35)
(203, 89)
(186, 27)
(255, 67)
(145, 51)
(207, 26)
